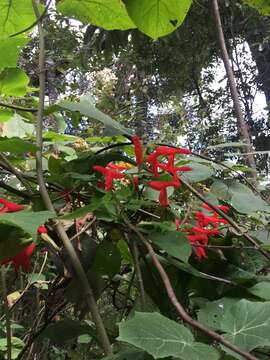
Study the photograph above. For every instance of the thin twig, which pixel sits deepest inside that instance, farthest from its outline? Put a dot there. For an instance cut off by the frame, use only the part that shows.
(14, 171)
(17, 107)
(92, 305)
(135, 253)
(181, 311)
(226, 217)
(14, 191)
(84, 229)
(7, 314)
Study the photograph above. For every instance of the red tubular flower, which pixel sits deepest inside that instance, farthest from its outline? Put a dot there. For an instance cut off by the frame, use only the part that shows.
(109, 175)
(170, 153)
(161, 186)
(223, 208)
(138, 149)
(9, 206)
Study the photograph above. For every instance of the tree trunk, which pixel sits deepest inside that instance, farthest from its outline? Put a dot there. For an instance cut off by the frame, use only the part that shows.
(241, 123)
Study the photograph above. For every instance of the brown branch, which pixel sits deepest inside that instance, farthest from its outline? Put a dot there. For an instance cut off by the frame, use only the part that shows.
(226, 217)
(91, 302)
(181, 311)
(242, 126)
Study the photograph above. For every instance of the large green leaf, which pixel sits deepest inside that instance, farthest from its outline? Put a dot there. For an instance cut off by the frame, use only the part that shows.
(65, 330)
(17, 127)
(15, 15)
(12, 240)
(244, 200)
(174, 243)
(109, 14)
(28, 221)
(13, 82)
(247, 324)
(129, 355)
(162, 337)
(10, 49)
(157, 18)
(199, 172)
(244, 323)
(261, 290)
(248, 203)
(17, 146)
(86, 108)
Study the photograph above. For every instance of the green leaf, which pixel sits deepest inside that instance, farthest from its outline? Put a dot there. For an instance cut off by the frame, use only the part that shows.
(174, 243)
(129, 355)
(220, 189)
(65, 330)
(17, 127)
(17, 346)
(12, 240)
(248, 203)
(212, 313)
(5, 115)
(247, 324)
(108, 14)
(244, 200)
(15, 15)
(17, 146)
(13, 82)
(87, 108)
(162, 337)
(28, 221)
(261, 290)
(107, 261)
(10, 49)
(157, 18)
(84, 339)
(229, 144)
(199, 172)
(263, 6)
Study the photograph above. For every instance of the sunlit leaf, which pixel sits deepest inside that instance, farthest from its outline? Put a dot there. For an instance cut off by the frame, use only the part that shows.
(157, 18)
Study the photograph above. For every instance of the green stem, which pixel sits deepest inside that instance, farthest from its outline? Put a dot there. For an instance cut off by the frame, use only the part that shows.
(92, 305)
(7, 314)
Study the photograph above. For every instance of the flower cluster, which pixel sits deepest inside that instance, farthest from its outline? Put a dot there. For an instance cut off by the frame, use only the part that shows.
(206, 224)
(158, 165)
(23, 258)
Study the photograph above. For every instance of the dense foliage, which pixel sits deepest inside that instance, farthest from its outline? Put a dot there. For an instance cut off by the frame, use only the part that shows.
(115, 242)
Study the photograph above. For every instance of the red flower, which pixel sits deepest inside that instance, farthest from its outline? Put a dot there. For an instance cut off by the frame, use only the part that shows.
(116, 167)
(136, 183)
(109, 174)
(223, 208)
(199, 233)
(42, 230)
(138, 149)
(170, 153)
(9, 206)
(161, 186)
(21, 259)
